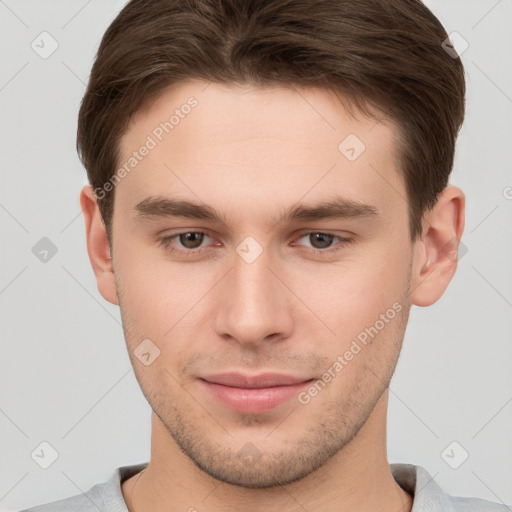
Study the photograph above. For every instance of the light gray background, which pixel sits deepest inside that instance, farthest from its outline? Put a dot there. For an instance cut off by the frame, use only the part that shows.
(65, 375)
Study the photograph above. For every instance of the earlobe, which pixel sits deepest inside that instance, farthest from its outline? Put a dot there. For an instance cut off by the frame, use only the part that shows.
(98, 246)
(435, 253)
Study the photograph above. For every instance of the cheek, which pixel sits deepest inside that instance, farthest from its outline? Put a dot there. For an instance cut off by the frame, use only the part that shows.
(164, 301)
(351, 295)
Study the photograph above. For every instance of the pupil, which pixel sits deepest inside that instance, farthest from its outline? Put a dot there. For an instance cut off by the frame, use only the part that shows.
(191, 240)
(324, 239)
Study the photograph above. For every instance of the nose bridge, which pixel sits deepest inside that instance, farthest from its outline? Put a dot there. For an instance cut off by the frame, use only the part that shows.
(255, 305)
(252, 281)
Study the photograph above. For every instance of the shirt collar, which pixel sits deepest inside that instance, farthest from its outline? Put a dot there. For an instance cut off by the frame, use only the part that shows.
(426, 493)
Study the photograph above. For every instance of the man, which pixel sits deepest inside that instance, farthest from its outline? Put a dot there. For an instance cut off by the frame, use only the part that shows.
(269, 197)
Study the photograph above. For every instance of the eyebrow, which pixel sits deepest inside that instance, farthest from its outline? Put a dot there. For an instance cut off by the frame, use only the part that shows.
(335, 208)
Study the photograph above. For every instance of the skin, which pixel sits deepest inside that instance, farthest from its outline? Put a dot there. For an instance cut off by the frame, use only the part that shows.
(250, 153)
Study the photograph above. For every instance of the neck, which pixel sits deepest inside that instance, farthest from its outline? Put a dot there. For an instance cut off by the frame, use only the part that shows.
(356, 479)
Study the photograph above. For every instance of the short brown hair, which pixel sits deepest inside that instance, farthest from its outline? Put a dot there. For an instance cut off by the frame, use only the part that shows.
(383, 56)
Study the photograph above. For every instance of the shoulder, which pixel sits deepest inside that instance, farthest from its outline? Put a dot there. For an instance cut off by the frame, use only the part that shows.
(78, 503)
(106, 496)
(460, 504)
(429, 497)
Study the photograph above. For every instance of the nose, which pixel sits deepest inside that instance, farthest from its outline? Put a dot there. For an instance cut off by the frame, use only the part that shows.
(254, 306)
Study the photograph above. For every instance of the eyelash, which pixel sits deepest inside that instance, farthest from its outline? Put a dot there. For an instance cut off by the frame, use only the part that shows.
(167, 240)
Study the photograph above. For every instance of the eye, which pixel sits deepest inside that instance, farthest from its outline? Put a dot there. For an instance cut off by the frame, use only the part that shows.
(186, 242)
(323, 242)
(191, 240)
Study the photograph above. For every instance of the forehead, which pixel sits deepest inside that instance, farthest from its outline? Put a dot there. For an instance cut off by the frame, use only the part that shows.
(246, 143)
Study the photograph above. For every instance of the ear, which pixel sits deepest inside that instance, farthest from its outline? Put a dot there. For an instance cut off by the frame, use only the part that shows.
(98, 246)
(435, 252)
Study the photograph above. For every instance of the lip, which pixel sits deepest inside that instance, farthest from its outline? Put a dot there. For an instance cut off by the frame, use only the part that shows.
(253, 393)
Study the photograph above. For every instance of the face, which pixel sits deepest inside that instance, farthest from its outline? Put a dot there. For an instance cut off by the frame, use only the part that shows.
(274, 305)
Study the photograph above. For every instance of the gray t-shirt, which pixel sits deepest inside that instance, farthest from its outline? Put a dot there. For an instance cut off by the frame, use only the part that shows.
(428, 496)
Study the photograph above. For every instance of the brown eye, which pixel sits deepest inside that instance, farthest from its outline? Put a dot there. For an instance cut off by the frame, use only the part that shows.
(320, 243)
(191, 240)
(321, 240)
(187, 242)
